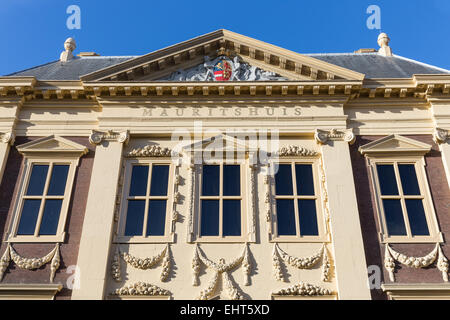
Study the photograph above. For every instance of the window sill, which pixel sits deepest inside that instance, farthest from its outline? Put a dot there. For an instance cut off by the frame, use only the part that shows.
(39, 239)
(402, 239)
(222, 240)
(155, 239)
(288, 239)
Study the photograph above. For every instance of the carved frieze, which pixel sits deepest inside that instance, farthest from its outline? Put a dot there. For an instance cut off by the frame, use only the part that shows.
(151, 151)
(141, 289)
(295, 151)
(97, 137)
(323, 136)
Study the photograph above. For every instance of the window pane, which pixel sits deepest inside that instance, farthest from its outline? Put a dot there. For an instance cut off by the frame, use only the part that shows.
(283, 180)
(409, 179)
(394, 218)
(50, 217)
(308, 217)
(232, 217)
(156, 218)
(28, 217)
(286, 218)
(211, 180)
(386, 176)
(231, 180)
(209, 225)
(139, 178)
(58, 180)
(417, 219)
(135, 218)
(305, 181)
(37, 180)
(160, 180)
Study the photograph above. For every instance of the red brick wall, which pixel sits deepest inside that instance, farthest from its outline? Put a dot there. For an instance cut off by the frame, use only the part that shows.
(74, 223)
(369, 217)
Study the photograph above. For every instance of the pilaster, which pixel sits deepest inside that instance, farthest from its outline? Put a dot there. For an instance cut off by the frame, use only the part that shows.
(99, 217)
(350, 261)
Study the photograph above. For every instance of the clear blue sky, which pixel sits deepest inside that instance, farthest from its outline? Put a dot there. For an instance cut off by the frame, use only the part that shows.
(32, 32)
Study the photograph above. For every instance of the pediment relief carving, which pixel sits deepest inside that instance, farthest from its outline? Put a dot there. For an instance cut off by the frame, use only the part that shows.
(395, 143)
(52, 144)
(162, 63)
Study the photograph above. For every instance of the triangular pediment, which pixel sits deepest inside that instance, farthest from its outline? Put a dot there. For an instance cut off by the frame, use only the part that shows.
(221, 143)
(271, 60)
(393, 144)
(52, 144)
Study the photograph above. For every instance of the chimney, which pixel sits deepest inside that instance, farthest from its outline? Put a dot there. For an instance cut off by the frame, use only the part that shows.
(383, 42)
(69, 46)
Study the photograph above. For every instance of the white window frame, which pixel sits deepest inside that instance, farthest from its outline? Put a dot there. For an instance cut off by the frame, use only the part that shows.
(44, 152)
(168, 234)
(321, 223)
(243, 197)
(430, 215)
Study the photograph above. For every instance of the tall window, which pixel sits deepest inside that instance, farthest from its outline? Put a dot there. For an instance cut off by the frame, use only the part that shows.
(296, 202)
(43, 199)
(402, 199)
(221, 201)
(147, 197)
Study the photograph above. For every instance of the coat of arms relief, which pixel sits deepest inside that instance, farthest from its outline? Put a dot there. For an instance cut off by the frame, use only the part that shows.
(223, 68)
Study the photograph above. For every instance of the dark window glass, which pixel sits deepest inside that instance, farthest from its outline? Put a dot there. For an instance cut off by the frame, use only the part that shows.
(50, 217)
(156, 217)
(305, 181)
(211, 180)
(160, 180)
(283, 180)
(209, 225)
(139, 178)
(231, 217)
(135, 218)
(37, 180)
(308, 217)
(409, 179)
(286, 218)
(386, 176)
(58, 180)
(417, 219)
(231, 180)
(394, 217)
(28, 217)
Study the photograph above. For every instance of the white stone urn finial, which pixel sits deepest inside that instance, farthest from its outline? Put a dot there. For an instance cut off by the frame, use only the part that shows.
(69, 46)
(383, 42)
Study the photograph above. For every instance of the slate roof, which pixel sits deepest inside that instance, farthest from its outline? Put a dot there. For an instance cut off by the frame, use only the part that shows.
(372, 65)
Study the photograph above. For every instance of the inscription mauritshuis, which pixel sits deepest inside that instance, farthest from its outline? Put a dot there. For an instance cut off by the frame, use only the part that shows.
(221, 112)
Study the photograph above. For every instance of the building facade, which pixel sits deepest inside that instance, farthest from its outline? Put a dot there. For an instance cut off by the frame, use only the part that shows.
(223, 167)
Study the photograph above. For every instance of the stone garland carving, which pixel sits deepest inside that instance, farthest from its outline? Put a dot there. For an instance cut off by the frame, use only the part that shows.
(220, 269)
(152, 151)
(301, 263)
(141, 289)
(324, 190)
(295, 151)
(253, 212)
(391, 256)
(241, 71)
(303, 289)
(268, 200)
(190, 224)
(97, 137)
(30, 263)
(441, 135)
(322, 136)
(142, 264)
